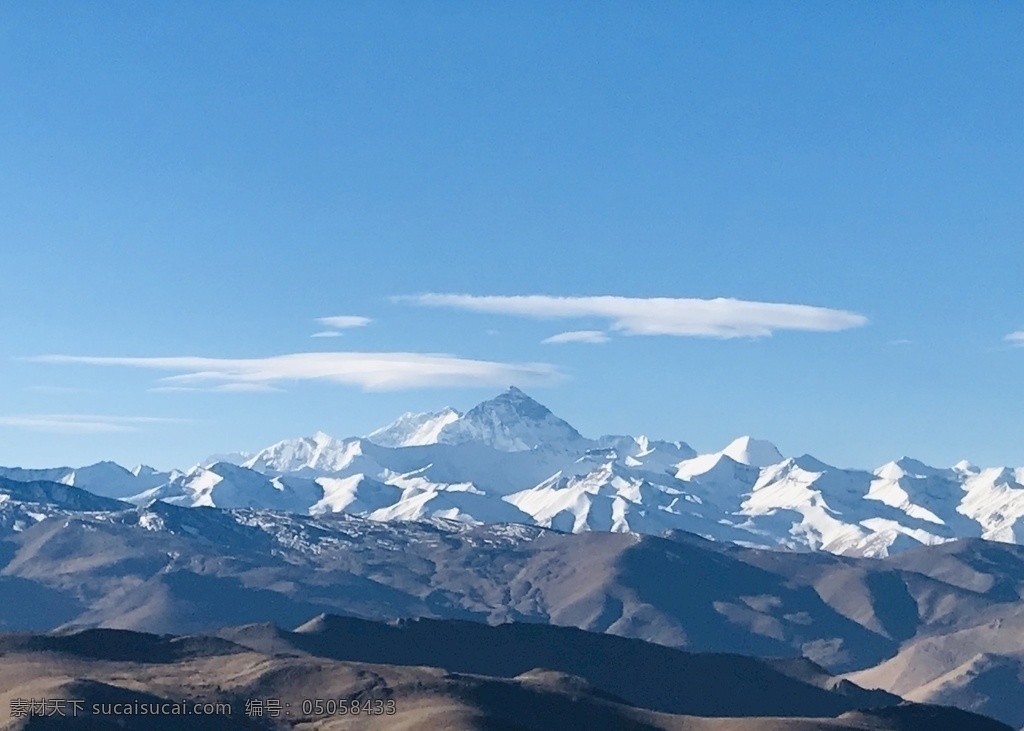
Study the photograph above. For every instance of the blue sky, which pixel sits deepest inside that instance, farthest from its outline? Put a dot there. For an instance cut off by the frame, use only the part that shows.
(189, 181)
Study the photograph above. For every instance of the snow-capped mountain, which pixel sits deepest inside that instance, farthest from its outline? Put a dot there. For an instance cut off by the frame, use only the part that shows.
(319, 454)
(25, 503)
(509, 459)
(103, 478)
(744, 451)
(413, 430)
(225, 485)
(238, 458)
(511, 422)
(914, 621)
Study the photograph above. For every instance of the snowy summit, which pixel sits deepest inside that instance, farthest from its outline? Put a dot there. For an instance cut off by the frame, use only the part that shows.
(510, 459)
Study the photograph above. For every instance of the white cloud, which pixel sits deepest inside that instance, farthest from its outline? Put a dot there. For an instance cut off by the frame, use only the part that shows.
(716, 318)
(344, 322)
(81, 423)
(327, 334)
(578, 336)
(1015, 338)
(222, 388)
(60, 390)
(370, 371)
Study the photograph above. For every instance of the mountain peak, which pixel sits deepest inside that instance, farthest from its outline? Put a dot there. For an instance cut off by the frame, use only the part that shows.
(105, 465)
(320, 453)
(511, 402)
(965, 466)
(515, 394)
(512, 421)
(414, 429)
(322, 437)
(916, 468)
(754, 452)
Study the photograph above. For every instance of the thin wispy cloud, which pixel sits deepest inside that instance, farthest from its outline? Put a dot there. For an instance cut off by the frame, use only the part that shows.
(81, 423)
(222, 388)
(578, 336)
(60, 390)
(715, 318)
(344, 322)
(369, 371)
(1015, 338)
(337, 323)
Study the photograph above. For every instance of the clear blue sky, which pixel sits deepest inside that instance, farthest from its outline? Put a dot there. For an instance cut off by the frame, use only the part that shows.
(194, 180)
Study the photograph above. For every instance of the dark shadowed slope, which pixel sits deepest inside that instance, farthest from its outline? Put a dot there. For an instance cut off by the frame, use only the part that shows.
(164, 568)
(644, 674)
(104, 667)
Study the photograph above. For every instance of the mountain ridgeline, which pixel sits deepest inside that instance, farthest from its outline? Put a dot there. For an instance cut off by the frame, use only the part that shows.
(509, 459)
(506, 514)
(933, 624)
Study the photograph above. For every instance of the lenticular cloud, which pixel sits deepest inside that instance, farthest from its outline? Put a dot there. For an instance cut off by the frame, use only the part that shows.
(716, 318)
(371, 371)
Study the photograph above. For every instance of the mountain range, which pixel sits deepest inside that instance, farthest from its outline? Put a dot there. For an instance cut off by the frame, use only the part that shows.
(935, 624)
(432, 675)
(906, 579)
(509, 459)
